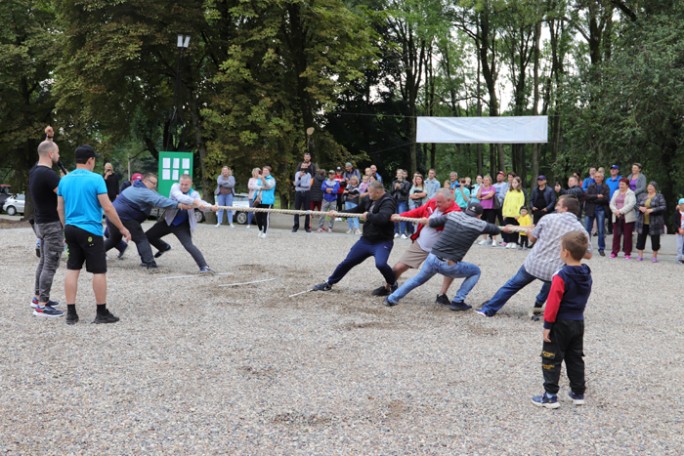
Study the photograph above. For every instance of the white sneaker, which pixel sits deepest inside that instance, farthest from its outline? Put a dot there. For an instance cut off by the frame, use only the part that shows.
(358, 231)
(218, 224)
(231, 225)
(263, 235)
(403, 236)
(493, 243)
(349, 231)
(483, 242)
(249, 225)
(396, 235)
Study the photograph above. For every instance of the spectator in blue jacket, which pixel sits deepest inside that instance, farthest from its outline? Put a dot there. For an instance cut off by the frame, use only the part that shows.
(330, 187)
(133, 206)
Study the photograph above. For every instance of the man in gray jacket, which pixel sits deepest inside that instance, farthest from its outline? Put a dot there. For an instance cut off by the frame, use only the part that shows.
(461, 229)
(181, 222)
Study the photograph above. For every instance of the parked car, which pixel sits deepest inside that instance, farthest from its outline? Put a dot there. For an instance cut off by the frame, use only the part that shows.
(14, 204)
(156, 213)
(4, 194)
(241, 200)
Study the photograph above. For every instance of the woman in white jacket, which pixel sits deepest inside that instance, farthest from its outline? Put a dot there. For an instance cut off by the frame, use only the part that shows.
(622, 206)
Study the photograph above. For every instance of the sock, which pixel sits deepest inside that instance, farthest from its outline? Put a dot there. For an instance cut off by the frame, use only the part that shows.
(102, 309)
(71, 309)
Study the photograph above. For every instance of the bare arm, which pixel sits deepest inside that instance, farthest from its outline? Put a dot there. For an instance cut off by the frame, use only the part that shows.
(112, 216)
(60, 209)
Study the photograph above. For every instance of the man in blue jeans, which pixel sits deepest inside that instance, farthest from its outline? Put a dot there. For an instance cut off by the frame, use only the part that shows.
(544, 259)
(376, 241)
(596, 201)
(461, 229)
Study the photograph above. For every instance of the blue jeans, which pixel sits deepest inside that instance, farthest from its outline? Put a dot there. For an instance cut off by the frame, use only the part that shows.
(600, 217)
(352, 222)
(434, 265)
(359, 252)
(400, 227)
(519, 281)
(224, 200)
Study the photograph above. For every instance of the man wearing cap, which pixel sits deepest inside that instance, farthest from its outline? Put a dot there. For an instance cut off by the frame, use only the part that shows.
(613, 182)
(329, 188)
(376, 241)
(128, 183)
(461, 229)
(81, 199)
(544, 260)
(133, 206)
(339, 178)
(543, 199)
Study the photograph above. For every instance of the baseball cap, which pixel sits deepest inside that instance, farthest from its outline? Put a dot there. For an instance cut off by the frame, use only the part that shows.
(347, 164)
(541, 177)
(338, 168)
(136, 177)
(474, 209)
(614, 167)
(331, 171)
(84, 152)
(681, 201)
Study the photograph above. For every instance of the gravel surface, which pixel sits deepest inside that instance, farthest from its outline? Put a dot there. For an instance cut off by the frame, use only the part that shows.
(195, 367)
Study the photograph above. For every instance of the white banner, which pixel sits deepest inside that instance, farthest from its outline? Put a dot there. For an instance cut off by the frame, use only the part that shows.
(483, 130)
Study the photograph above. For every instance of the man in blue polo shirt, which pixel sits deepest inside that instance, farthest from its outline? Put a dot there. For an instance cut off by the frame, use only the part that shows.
(81, 199)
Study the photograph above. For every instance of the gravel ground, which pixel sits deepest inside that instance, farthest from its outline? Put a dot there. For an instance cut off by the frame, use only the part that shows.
(195, 367)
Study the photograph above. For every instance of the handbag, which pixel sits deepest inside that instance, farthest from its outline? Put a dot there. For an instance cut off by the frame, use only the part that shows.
(257, 198)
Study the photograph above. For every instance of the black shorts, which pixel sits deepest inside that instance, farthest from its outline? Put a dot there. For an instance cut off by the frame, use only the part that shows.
(85, 247)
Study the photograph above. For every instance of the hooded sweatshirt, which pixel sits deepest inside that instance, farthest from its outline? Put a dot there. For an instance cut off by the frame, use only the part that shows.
(570, 290)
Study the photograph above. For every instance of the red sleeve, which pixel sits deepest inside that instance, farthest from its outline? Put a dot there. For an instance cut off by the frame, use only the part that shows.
(418, 212)
(554, 300)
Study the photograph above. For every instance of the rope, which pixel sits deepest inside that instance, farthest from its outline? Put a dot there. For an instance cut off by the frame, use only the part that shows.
(309, 213)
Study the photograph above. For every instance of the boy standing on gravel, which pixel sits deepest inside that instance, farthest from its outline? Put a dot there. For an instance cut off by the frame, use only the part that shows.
(564, 323)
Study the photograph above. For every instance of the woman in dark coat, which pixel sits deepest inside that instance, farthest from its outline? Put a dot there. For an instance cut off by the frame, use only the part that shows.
(650, 220)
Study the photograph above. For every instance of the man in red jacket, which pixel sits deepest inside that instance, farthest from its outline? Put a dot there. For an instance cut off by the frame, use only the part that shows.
(424, 238)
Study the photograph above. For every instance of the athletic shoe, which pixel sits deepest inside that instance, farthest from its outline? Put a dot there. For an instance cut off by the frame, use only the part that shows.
(483, 242)
(148, 266)
(294, 230)
(629, 257)
(320, 230)
(396, 235)
(218, 224)
(263, 235)
(613, 256)
(51, 303)
(349, 231)
(231, 225)
(249, 226)
(207, 270)
(459, 306)
(654, 260)
(443, 300)
(389, 303)
(483, 313)
(325, 286)
(47, 312)
(602, 253)
(493, 243)
(121, 253)
(502, 244)
(538, 310)
(357, 232)
(577, 399)
(162, 252)
(329, 230)
(546, 401)
(71, 319)
(105, 318)
(403, 236)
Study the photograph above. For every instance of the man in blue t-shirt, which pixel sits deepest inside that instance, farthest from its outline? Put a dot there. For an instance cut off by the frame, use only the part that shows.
(613, 182)
(81, 199)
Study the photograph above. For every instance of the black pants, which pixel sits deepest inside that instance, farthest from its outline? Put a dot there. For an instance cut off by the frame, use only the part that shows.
(182, 233)
(510, 237)
(302, 204)
(537, 215)
(340, 202)
(263, 218)
(567, 344)
(137, 236)
(641, 239)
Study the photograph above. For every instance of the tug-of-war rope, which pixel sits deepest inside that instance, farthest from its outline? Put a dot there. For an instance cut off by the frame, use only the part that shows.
(395, 218)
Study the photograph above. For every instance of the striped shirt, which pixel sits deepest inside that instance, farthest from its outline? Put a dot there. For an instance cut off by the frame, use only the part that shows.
(544, 260)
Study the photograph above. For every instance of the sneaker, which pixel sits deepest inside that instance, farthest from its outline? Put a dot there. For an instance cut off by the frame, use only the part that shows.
(294, 230)
(613, 256)
(381, 291)
(231, 225)
(483, 313)
(308, 230)
(396, 235)
(459, 306)
(329, 230)
(105, 318)
(357, 232)
(546, 401)
(263, 235)
(389, 303)
(320, 230)
(249, 226)
(325, 286)
(349, 231)
(629, 257)
(148, 266)
(654, 260)
(443, 300)
(51, 303)
(218, 224)
(47, 312)
(577, 399)
(493, 243)
(121, 252)
(162, 252)
(538, 310)
(207, 270)
(602, 253)
(502, 244)
(71, 319)
(483, 242)
(403, 236)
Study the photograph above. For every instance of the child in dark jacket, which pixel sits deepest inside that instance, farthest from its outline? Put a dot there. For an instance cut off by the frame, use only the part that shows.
(564, 323)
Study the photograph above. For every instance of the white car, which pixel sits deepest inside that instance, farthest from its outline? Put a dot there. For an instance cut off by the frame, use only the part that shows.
(241, 200)
(15, 204)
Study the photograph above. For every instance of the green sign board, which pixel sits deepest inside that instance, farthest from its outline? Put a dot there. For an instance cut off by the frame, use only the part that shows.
(172, 165)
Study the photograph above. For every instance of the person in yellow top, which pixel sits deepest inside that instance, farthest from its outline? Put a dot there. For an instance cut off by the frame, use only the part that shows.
(524, 219)
(514, 200)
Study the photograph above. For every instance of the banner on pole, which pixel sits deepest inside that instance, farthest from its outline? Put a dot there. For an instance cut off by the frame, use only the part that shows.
(483, 130)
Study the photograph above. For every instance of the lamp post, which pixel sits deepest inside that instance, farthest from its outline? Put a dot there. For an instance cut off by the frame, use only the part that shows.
(182, 43)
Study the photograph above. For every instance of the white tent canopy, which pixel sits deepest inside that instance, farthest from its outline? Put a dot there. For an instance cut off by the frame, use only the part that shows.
(483, 130)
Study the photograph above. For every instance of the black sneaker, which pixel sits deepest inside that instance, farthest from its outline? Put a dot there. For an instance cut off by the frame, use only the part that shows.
(207, 270)
(148, 265)
(389, 303)
(459, 306)
(443, 300)
(105, 318)
(381, 291)
(71, 319)
(121, 252)
(162, 252)
(602, 253)
(325, 286)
